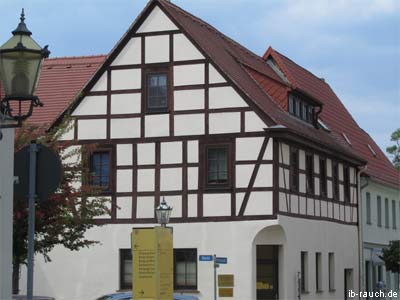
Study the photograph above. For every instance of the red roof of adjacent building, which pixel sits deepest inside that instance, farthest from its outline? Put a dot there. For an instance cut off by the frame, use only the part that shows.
(61, 80)
(334, 115)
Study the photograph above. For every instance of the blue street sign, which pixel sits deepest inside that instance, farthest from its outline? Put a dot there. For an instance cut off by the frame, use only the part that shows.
(221, 260)
(205, 258)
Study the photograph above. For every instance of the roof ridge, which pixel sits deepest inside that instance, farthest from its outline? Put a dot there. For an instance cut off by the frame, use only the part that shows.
(75, 57)
(215, 30)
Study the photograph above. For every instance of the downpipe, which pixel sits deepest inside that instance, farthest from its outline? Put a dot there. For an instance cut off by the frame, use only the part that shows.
(361, 276)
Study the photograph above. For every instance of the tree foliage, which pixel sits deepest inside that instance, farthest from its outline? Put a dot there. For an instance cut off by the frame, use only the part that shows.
(391, 257)
(64, 218)
(394, 150)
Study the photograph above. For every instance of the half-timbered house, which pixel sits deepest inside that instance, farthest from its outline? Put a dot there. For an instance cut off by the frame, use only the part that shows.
(175, 111)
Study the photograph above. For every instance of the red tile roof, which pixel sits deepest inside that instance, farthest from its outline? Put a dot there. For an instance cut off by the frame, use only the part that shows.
(60, 82)
(335, 116)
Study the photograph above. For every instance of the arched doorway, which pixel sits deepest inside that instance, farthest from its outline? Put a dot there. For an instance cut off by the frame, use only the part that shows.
(268, 247)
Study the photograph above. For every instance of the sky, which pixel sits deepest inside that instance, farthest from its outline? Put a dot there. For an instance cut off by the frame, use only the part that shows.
(353, 44)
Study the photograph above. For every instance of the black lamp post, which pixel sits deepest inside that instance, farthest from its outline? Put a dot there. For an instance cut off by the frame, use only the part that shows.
(163, 212)
(20, 63)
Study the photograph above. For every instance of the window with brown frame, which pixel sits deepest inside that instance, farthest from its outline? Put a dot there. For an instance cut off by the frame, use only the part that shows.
(301, 108)
(100, 169)
(294, 169)
(322, 177)
(156, 90)
(218, 166)
(335, 183)
(310, 174)
(185, 269)
(125, 269)
(346, 178)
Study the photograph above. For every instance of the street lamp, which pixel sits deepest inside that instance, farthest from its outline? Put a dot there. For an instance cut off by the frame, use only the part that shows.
(20, 63)
(163, 212)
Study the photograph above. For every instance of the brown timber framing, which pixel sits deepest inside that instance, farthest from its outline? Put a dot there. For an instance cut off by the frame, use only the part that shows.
(253, 176)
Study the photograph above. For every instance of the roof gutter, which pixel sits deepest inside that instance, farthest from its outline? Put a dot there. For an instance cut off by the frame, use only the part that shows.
(361, 271)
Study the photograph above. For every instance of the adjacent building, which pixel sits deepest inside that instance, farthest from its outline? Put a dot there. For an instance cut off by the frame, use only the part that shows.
(248, 154)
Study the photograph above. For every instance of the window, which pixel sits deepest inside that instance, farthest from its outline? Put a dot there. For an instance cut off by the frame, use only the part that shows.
(368, 195)
(294, 169)
(346, 175)
(301, 108)
(386, 212)
(335, 181)
(394, 225)
(157, 92)
(318, 271)
(100, 169)
(322, 177)
(331, 265)
(304, 271)
(379, 210)
(218, 159)
(310, 174)
(125, 262)
(185, 269)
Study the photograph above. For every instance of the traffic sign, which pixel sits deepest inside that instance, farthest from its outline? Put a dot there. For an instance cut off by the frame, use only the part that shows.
(221, 260)
(205, 258)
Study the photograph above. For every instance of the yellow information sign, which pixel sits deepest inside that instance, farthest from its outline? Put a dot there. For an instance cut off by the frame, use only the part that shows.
(225, 292)
(225, 280)
(152, 264)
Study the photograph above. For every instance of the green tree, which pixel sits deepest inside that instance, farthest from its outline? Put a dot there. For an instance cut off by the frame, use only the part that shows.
(64, 218)
(394, 150)
(391, 257)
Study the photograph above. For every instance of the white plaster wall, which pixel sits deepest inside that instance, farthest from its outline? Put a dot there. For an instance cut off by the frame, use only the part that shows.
(243, 175)
(284, 153)
(92, 129)
(156, 49)
(145, 180)
(193, 178)
(302, 160)
(253, 123)
(329, 167)
(146, 154)
(248, 148)
(216, 205)
(189, 99)
(126, 103)
(125, 128)
(130, 54)
(124, 181)
(189, 74)
(184, 49)
(92, 105)
(373, 234)
(156, 125)
(68, 133)
(108, 205)
(124, 155)
(176, 203)
(224, 97)
(171, 153)
(171, 179)
(145, 208)
(6, 211)
(260, 203)
(284, 178)
(193, 151)
(214, 75)
(126, 79)
(196, 121)
(235, 240)
(264, 176)
(269, 153)
(224, 122)
(316, 163)
(101, 84)
(156, 21)
(192, 205)
(124, 207)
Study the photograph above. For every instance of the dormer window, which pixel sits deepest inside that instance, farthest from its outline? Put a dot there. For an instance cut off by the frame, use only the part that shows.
(301, 108)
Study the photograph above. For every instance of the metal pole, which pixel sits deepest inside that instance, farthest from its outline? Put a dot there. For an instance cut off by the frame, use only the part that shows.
(215, 277)
(33, 149)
